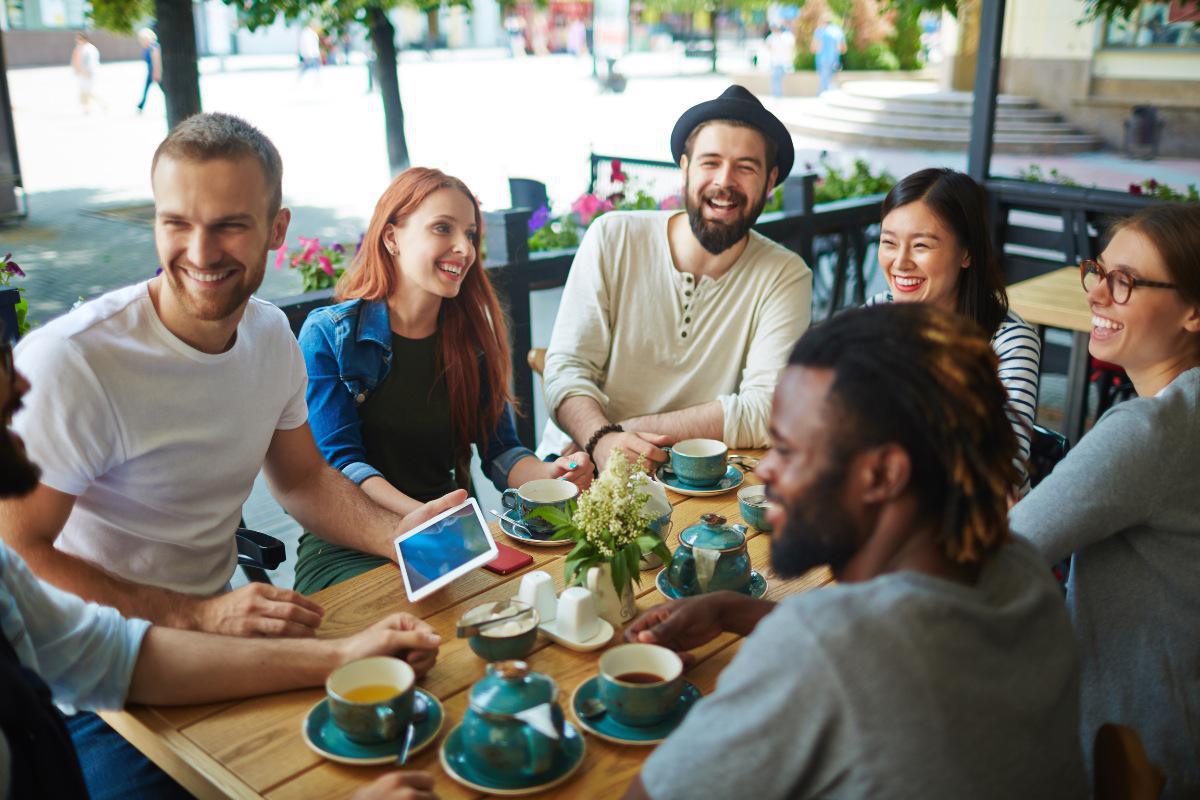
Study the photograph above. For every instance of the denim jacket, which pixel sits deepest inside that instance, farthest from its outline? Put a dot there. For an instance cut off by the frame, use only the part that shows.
(348, 352)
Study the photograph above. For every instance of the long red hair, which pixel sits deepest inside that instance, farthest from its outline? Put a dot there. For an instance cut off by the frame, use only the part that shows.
(474, 334)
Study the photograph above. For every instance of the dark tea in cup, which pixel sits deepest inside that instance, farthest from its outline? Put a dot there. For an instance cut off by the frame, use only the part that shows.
(640, 677)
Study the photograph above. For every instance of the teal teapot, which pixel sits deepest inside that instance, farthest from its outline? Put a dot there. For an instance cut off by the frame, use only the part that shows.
(513, 727)
(711, 557)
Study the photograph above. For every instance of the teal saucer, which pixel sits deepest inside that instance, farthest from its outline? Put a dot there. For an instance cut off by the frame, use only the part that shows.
(510, 525)
(327, 739)
(610, 730)
(756, 588)
(454, 761)
(732, 480)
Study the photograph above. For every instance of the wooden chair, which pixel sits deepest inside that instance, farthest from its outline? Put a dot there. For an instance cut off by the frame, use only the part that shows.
(537, 360)
(1123, 771)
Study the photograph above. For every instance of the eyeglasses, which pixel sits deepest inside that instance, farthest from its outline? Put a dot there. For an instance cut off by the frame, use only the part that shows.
(1120, 283)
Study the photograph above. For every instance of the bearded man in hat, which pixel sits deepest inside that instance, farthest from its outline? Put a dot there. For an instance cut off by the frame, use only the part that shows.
(676, 325)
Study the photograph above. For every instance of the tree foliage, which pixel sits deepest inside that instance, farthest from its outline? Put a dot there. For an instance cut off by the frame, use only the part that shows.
(120, 16)
(335, 16)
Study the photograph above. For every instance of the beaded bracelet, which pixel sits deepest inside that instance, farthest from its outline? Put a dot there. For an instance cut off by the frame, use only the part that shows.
(600, 434)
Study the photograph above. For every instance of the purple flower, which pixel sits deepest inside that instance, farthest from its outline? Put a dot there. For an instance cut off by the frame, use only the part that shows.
(158, 272)
(539, 219)
(358, 246)
(337, 248)
(11, 267)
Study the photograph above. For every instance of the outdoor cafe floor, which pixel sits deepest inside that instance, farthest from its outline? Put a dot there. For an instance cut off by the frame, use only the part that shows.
(254, 748)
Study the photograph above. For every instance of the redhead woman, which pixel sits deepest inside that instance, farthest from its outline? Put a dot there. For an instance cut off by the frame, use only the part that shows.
(412, 367)
(1125, 502)
(935, 247)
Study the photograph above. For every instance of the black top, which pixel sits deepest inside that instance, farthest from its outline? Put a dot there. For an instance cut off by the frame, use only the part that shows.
(406, 428)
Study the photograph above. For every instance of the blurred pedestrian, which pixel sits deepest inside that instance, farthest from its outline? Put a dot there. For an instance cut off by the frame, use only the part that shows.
(310, 49)
(781, 54)
(153, 58)
(828, 44)
(85, 61)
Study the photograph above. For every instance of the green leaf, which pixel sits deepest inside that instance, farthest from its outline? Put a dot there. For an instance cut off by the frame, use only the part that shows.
(555, 516)
(647, 542)
(633, 555)
(573, 567)
(662, 551)
(620, 574)
(582, 549)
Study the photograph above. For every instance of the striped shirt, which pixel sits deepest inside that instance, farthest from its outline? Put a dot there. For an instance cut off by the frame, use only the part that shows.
(1019, 349)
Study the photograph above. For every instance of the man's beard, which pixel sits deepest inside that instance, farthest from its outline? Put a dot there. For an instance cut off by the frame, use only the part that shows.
(817, 530)
(717, 237)
(216, 309)
(18, 475)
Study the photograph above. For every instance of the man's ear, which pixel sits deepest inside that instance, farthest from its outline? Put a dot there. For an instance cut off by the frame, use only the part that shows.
(884, 473)
(771, 180)
(279, 227)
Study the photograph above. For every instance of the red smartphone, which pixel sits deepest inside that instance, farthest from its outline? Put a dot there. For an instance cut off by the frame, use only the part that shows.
(510, 560)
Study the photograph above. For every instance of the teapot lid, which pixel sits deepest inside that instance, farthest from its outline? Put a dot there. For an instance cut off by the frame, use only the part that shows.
(711, 533)
(510, 687)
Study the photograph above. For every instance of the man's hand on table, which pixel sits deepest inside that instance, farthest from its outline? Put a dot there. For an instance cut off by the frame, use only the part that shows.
(401, 635)
(634, 444)
(399, 786)
(257, 609)
(687, 624)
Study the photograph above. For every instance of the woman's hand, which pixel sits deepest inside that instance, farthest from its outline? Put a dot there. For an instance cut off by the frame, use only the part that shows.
(576, 468)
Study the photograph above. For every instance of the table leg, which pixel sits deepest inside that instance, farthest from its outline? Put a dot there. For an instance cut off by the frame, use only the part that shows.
(1077, 388)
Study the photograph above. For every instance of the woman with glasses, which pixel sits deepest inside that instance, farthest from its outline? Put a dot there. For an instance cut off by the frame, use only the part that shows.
(1125, 502)
(935, 247)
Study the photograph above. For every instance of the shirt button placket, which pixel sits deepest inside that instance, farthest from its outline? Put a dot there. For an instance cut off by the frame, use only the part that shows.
(688, 281)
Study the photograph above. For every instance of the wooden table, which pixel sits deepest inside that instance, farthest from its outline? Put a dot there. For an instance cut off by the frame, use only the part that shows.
(1057, 300)
(253, 748)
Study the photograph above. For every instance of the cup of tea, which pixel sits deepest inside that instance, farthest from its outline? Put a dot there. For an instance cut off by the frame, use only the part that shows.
(532, 495)
(371, 700)
(640, 684)
(699, 462)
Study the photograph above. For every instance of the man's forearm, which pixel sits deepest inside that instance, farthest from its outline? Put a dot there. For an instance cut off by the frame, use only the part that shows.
(580, 417)
(705, 421)
(328, 503)
(82, 578)
(184, 667)
(741, 614)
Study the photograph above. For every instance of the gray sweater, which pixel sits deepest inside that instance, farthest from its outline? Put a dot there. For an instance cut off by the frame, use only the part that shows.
(1126, 503)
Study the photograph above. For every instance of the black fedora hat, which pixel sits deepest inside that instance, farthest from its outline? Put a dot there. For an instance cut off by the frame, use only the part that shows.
(738, 103)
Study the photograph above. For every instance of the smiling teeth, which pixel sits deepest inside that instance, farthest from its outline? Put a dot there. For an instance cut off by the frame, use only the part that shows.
(1101, 322)
(908, 281)
(207, 277)
(722, 203)
(452, 270)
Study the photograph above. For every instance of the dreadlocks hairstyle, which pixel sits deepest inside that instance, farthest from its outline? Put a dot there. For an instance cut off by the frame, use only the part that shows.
(926, 380)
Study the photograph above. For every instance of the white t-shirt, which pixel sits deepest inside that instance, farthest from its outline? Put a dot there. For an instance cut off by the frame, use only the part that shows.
(159, 442)
(641, 337)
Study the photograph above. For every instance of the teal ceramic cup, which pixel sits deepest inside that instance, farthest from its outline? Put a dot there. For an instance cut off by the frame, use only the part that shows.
(504, 641)
(359, 703)
(532, 495)
(640, 684)
(753, 503)
(699, 462)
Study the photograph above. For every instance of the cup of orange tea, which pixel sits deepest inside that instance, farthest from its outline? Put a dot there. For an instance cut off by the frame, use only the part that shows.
(371, 700)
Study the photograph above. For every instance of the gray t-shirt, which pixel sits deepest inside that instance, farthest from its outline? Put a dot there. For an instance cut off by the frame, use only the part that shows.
(905, 686)
(1126, 502)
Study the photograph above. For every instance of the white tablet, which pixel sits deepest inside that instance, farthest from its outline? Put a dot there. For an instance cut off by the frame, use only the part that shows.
(445, 548)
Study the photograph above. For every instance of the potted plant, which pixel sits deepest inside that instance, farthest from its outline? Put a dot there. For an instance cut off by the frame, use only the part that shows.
(611, 530)
(13, 305)
(319, 265)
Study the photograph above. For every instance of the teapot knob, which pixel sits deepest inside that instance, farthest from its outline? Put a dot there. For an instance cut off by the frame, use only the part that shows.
(715, 520)
(510, 670)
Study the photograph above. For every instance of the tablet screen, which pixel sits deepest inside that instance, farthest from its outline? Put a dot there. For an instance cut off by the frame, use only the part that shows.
(444, 548)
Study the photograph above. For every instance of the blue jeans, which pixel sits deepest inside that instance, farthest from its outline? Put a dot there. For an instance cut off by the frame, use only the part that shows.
(113, 768)
(777, 81)
(825, 74)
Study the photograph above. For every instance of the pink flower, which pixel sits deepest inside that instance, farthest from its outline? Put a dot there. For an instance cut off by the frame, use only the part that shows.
(671, 203)
(326, 265)
(1153, 184)
(311, 246)
(1135, 189)
(281, 257)
(589, 206)
(617, 175)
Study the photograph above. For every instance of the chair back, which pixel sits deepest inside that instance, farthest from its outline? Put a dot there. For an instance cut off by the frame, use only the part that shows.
(527, 193)
(1122, 770)
(1046, 449)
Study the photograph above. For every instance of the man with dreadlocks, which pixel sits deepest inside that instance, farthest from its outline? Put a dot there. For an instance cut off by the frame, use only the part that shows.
(942, 664)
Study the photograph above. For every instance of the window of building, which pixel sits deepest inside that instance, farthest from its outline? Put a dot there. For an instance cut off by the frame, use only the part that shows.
(1157, 25)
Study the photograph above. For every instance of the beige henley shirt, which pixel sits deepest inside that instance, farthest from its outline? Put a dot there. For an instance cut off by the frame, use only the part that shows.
(642, 337)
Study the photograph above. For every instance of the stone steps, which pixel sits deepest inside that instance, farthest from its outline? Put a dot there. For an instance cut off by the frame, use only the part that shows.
(914, 115)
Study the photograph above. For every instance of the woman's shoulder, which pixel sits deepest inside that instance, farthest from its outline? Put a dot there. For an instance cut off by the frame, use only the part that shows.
(1014, 332)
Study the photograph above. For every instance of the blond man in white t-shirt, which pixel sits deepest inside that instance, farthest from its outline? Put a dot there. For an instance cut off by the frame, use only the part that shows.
(675, 325)
(154, 406)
